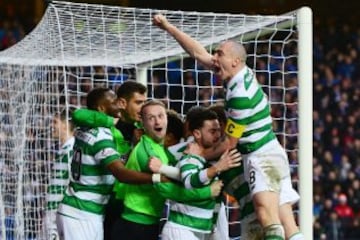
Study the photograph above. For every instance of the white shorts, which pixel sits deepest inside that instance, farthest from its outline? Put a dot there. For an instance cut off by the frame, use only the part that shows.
(268, 170)
(221, 231)
(70, 228)
(171, 231)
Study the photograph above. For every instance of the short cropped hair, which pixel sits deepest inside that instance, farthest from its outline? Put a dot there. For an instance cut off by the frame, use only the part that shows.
(66, 115)
(151, 102)
(175, 124)
(128, 88)
(192, 112)
(220, 111)
(95, 96)
(198, 119)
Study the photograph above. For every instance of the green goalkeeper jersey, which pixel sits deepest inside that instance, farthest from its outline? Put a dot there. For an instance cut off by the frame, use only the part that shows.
(144, 203)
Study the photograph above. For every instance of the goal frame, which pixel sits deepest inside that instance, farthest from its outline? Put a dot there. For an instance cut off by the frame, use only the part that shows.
(305, 76)
(303, 22)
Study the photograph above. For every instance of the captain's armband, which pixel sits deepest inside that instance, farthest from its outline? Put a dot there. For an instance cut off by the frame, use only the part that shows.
(234, 129)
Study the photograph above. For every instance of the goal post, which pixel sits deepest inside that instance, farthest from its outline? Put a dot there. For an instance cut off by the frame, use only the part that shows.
(305, 76)
(78, 46)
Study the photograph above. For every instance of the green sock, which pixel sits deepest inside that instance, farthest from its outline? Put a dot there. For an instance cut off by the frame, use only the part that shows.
(274, 232)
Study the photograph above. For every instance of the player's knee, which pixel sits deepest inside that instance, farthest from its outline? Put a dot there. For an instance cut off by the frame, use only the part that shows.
(274, 231)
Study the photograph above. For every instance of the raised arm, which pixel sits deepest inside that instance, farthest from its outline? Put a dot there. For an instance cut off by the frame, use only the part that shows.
(156, 166)
(176, 192)
(125, 175)
(190, 45)
(90, 118)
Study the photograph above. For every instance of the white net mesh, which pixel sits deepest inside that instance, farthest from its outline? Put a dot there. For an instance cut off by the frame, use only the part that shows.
(79, 46)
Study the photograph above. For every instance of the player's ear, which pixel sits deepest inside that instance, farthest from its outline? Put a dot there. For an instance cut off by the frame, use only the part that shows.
(101, 108)
(122, 103)
(197, 133)
(236, 62)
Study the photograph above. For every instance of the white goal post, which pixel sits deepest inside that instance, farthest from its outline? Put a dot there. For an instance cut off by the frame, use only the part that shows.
(77, 46)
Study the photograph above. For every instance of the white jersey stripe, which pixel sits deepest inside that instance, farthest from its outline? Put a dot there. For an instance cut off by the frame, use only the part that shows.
(97, 180)
(90, 139)
(77, 213)
(54, 197)
(88, 160)
(253, 137)
(88, 196)
(59, 181)
(239, 114)
(192, 210)
(258, 124)
(61, 166)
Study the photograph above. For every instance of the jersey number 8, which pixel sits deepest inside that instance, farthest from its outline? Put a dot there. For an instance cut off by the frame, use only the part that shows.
(76, 165)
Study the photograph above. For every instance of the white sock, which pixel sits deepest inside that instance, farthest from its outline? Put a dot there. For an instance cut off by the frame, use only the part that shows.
(274, 231)
(297, 236)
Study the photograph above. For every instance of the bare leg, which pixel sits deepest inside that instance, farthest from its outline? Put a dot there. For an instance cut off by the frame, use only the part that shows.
(288, 221)
(268, 213)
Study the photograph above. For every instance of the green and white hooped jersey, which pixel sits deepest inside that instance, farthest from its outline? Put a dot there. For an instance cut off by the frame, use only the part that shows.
(59, 179)
(248, 112)
(196, 216)
(90, 182)
(178, 149)
(236, 186)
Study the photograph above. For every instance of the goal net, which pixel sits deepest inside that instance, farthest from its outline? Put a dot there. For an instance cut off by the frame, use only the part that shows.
(77, 46)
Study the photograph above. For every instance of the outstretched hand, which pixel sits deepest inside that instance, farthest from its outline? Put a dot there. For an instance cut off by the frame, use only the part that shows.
(229, 159)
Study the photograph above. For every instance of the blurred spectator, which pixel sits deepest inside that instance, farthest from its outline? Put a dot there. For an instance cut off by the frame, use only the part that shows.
(318, 230)
(333, 228)
(354, 196)
(191, 90)
(116, 76)
(317, 205)
(344, 212)
(157, 87)
(326, 211)
(354, 230)
(336, 135)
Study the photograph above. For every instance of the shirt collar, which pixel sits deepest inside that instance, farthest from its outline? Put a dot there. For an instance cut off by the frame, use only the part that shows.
(239, 77)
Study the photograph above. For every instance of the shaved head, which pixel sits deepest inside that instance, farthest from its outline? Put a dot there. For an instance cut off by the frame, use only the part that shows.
(237, 49)
(228, 59)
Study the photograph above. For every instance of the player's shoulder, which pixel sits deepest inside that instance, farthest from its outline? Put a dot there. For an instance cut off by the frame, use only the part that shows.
(191, 159)
(94, 135)
(180, 147)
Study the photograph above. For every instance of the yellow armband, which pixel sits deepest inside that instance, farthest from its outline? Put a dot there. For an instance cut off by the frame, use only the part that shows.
(234, 129)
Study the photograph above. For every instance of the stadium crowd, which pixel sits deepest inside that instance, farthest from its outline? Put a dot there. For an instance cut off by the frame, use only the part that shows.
(336, 119)
(15, 23)
(336, 138)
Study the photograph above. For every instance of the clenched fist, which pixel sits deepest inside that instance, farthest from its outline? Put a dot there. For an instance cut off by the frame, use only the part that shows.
(160, 21)
(216, 188)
